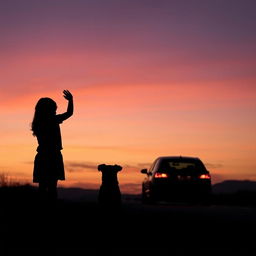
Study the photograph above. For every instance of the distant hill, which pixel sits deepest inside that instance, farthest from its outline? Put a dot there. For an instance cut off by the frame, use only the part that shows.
(227, 189)
(88, 195)
(234, 186)
(77, 194)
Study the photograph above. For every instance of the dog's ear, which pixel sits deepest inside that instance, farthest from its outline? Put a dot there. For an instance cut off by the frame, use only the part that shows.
(101, 167)
(118, 167)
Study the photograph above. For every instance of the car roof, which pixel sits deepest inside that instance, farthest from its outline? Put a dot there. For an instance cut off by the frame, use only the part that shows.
(177, 158)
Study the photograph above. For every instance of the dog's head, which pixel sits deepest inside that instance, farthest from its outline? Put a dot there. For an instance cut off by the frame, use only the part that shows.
(104, 167)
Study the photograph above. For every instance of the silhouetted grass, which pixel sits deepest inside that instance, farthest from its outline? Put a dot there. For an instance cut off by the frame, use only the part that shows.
(18, 194)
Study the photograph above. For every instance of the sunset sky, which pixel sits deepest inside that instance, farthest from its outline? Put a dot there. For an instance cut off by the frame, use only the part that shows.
(149, 78)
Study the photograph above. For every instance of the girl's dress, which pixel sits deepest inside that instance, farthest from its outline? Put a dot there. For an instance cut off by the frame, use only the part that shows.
(48, 162)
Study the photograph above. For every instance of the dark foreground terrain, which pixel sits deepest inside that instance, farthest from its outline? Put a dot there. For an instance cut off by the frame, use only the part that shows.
(85, 228)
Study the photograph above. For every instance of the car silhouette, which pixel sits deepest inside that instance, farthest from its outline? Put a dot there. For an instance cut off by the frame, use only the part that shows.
(172, 178)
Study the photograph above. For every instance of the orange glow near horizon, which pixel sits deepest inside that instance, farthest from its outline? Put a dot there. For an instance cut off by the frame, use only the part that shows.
(112, 131)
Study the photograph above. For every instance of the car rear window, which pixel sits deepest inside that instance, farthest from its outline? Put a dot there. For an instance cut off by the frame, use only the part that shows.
(172, 165)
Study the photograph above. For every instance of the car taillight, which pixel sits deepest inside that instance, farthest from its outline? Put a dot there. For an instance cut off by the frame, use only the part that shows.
(205, 176)
(160, 175)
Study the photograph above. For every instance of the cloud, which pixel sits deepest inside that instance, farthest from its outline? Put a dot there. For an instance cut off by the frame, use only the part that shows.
(72, 164)
(137, 166)
(144, 165)
(130, 188)
(80, 166)
(213, 165)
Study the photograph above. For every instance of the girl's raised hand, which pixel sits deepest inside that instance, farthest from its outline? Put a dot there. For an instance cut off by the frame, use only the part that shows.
(67, 95)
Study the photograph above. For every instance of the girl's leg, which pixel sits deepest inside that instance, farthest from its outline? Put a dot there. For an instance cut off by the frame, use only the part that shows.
(42, 191)
(52, 191)
(48, 191)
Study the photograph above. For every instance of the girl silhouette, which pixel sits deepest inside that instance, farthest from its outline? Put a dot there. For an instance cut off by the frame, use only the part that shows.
(48, 163)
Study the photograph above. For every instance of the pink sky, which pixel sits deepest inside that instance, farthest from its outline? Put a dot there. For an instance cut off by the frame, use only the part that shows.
(145, 83)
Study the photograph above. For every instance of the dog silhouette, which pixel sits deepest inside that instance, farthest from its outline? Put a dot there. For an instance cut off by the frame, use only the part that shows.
(109, 193)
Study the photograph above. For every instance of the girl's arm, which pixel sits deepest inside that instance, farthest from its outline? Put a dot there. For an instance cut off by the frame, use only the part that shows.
(70, 109)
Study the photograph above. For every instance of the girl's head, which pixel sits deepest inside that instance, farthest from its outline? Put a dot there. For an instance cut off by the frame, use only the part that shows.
(44, 110)
(46, 107)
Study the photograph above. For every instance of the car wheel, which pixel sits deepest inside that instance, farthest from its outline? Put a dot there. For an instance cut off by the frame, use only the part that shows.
(148, 200)
(145, 197)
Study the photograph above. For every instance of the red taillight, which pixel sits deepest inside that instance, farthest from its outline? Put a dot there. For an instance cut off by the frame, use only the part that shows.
(160, 175)
(205, 176)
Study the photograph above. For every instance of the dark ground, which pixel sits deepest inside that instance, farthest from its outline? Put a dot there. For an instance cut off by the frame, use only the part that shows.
(85, 228)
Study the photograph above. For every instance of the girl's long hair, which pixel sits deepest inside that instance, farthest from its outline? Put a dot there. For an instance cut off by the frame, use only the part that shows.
(45, 109)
